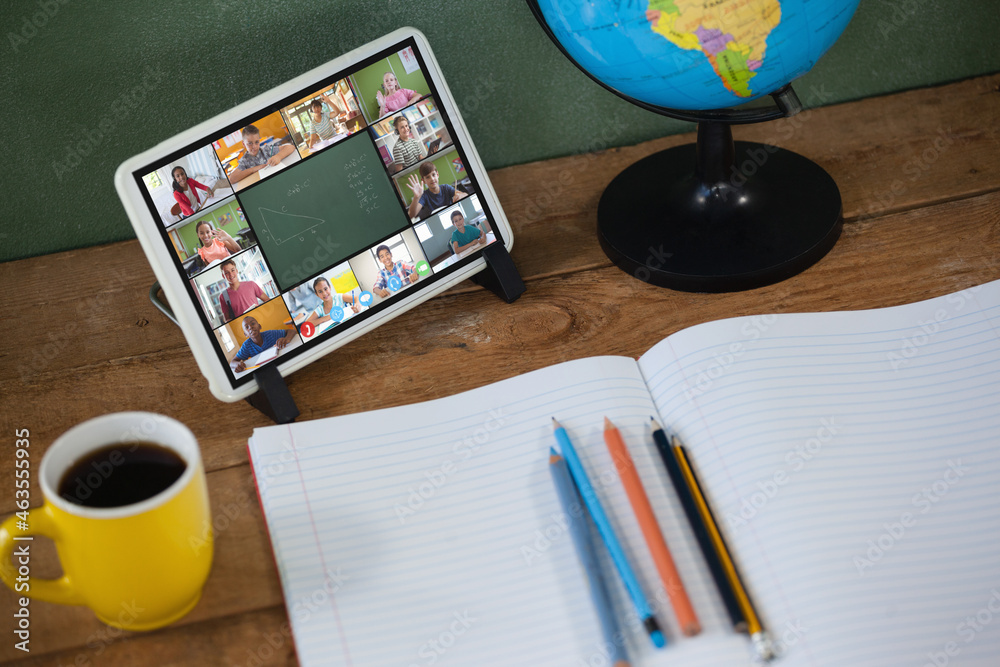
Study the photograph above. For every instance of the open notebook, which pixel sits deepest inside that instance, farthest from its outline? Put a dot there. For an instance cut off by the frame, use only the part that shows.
(853, 459)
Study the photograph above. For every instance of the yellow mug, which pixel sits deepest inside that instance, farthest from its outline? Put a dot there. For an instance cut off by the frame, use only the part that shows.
(139, 566)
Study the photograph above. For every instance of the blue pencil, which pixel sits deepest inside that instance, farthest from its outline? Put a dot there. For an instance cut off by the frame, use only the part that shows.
(572, 504)
(608, 535)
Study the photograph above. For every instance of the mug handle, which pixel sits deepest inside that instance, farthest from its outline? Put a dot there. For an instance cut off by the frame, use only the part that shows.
(40, 522)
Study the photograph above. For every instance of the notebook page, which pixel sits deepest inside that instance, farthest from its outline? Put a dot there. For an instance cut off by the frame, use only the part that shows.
(431, 533)
(271, 169)
(854, 461)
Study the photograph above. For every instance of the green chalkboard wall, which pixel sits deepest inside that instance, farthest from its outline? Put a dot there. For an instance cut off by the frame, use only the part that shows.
(125, 75)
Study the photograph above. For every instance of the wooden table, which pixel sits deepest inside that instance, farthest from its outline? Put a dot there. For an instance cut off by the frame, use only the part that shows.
(920, 177)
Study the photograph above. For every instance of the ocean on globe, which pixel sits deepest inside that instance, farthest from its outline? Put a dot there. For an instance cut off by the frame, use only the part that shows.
(696, 54)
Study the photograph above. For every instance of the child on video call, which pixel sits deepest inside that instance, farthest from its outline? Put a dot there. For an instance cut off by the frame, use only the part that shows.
(324, 126)
(408, 150)
(257, 341)
(186, 191)
(331, 300)
(216, 244)
(393, 98)
(388, 269)
(427, 192)
(464, 236)
(241, 295)
(257, 157)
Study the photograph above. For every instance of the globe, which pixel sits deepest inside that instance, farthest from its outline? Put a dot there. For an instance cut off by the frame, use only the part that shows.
(696, 54)
(718, 215)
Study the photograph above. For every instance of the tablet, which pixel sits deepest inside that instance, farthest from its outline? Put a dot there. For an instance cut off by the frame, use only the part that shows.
(303, 218)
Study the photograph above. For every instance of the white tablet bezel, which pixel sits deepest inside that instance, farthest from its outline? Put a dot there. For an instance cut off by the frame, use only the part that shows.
(149, 230)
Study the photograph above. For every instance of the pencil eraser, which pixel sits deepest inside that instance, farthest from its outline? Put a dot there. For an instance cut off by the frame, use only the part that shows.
(658, 640)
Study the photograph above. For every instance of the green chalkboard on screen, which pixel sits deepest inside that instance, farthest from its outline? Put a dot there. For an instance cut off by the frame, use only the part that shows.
(323, 210)
(369, 81)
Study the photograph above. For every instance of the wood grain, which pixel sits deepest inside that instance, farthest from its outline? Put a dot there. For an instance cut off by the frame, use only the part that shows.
(89, 342)
(251, 639)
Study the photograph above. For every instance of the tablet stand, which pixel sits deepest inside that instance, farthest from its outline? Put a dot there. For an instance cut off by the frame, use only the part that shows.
(500, 275)
(272, 397)
(161, 306)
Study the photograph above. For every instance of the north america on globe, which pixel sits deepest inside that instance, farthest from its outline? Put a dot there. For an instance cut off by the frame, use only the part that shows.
(731, 33)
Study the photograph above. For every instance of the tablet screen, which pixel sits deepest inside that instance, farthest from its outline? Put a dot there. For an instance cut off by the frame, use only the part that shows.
(301, 220)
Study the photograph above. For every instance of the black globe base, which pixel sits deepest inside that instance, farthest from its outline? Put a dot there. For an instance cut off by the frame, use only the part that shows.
(719, 216)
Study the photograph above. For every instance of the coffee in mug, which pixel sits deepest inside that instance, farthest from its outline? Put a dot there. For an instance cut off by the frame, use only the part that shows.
(121, 474)
(126, 502)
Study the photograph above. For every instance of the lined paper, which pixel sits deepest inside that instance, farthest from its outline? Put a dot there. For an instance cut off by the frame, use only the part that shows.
(430, 534)
(483, 562)
(854, 460)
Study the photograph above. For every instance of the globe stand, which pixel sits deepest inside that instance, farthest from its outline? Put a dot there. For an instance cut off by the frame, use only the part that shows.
(748, 215)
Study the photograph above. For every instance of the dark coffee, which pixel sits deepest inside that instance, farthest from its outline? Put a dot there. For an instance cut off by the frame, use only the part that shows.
(121, 474)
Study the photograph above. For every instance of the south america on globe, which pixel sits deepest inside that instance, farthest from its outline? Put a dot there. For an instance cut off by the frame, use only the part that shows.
(735, 44)
(696, 54)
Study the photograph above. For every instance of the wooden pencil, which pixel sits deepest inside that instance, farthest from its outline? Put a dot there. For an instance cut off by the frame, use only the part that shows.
(655, 541)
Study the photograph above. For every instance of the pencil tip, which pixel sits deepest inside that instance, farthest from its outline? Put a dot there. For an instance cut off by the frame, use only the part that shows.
(556, 424)
(607, 424)
(762, 645)
(656, 424)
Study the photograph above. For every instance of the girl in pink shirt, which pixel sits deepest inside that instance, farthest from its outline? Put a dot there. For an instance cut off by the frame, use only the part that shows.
(394, 98)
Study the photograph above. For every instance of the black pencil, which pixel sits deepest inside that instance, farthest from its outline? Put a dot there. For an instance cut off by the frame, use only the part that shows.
(700, 532)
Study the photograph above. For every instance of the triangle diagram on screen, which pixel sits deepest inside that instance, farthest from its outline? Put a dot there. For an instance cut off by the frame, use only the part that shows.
(282, 226)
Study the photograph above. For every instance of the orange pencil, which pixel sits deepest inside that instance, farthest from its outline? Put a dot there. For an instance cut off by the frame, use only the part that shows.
(651, 531)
